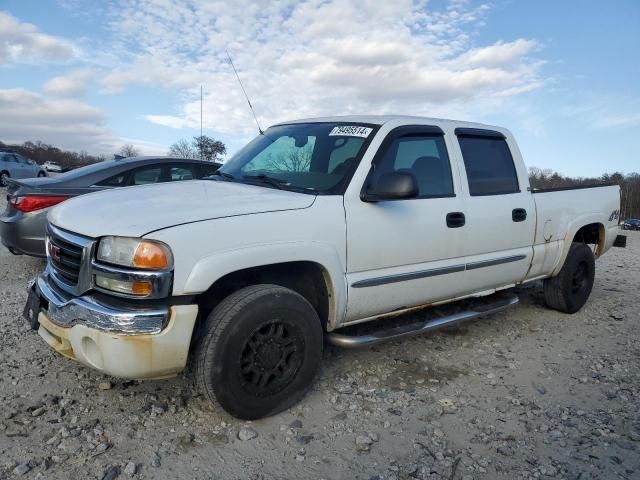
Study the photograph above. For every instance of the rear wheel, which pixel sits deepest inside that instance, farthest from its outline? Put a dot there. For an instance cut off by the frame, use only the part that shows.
(3, 178)
(42, 174)
(570, 289)
(259, 352)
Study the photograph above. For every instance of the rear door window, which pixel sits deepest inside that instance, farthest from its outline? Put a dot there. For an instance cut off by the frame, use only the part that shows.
(145, 176)
(114, 181)
(489, 165)
(180, 172)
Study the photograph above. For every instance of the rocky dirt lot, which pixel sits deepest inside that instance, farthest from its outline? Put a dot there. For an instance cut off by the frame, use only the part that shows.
(527, 393)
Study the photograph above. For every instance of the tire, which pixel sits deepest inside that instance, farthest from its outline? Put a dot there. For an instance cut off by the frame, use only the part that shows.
(3, 178)
(41, 174)
(256, 329)
(570, 289)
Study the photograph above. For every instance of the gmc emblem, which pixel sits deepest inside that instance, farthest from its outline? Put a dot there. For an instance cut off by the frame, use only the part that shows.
(54, 252)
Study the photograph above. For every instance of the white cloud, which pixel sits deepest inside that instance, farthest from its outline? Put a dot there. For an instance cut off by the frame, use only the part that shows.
(22, 43)
(64, 123)
(71, 84)
(498, 54)
(314, 57)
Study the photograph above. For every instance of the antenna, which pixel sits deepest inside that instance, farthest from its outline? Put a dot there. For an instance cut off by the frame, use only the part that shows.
(245, 92)
(201, 122)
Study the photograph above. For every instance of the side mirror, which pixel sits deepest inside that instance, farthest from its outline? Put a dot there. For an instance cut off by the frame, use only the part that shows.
(391, 186)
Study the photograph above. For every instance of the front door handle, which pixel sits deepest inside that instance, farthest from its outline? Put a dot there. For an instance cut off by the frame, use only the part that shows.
(455, 219)
(518, 215)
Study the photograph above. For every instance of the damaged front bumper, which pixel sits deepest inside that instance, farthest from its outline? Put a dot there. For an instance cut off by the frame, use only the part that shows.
(123, 341)
(67, 310)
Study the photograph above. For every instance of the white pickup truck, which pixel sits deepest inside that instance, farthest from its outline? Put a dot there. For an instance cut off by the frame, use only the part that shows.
(314, 226)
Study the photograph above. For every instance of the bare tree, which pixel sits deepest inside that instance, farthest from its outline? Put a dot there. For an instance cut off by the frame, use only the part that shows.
(204, 147)
(128, 150)
(41, 152)
(183, 149)
(298, 160)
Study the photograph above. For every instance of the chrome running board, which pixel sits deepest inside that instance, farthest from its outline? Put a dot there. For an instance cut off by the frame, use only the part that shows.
(394, 333)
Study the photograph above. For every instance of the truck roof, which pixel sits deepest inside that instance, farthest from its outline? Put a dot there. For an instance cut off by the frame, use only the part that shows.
(382, 119)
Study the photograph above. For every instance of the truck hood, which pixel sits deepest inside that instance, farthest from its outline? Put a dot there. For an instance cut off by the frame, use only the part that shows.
(136, 211)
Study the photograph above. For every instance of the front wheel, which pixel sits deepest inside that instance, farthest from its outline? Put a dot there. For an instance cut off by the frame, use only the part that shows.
(4, 176)
(42, 174)
(259, 352)
(569, 290)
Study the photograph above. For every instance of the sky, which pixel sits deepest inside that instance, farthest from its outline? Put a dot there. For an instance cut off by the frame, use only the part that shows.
(92, 75)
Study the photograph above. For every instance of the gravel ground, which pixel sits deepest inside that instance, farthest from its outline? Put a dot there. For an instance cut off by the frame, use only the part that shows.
(526, 393)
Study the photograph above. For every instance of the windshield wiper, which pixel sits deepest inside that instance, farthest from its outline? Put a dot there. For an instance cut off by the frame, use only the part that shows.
(274, 182)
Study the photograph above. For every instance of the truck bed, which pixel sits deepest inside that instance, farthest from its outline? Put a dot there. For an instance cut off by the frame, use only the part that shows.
(561, 212)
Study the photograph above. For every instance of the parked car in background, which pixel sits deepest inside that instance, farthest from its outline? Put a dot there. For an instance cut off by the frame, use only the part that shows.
(14, 165)
(22, 225)
(631, 224)
(53, 167)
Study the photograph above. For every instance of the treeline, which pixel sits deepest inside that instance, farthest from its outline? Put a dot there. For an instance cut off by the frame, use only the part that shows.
(630, 185)
(41, 152)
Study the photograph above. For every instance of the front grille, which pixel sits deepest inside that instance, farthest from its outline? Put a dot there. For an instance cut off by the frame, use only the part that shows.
(65, 258)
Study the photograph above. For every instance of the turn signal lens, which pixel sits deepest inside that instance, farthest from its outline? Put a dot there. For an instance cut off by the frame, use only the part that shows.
(150, 255)
(141, 288)
(138, 288)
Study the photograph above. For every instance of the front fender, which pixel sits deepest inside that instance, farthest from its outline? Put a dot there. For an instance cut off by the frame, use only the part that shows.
(213, 267)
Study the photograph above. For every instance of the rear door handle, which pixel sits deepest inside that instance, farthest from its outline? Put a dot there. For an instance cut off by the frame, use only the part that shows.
(518, 215)
(455, 219)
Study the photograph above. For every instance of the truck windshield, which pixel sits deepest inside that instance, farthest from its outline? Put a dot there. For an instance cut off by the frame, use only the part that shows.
(306, 157)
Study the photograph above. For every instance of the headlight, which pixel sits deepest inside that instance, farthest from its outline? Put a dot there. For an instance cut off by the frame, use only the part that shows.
(135, 253)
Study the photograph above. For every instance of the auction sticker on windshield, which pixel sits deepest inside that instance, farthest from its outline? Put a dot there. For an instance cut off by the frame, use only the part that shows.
(350, 131)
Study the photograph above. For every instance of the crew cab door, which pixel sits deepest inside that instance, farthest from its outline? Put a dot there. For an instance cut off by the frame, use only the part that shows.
(500, 211)
(403, 253)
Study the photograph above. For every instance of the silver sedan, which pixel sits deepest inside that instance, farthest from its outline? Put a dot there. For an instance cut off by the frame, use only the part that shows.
(22, 224)
(13, 165)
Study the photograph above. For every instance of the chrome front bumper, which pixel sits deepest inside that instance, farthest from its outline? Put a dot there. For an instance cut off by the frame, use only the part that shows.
(65, 310)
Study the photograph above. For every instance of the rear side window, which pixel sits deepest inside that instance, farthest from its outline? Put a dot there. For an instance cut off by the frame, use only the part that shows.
(423, 156)
(489, 165)
(180, 172)
(115, 181)
(146, 176)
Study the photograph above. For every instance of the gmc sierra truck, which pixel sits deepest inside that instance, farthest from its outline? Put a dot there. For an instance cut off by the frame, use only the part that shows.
(314, 226)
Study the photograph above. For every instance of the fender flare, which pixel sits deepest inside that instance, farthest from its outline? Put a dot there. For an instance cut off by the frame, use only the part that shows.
(210, 269)
(570, 234)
